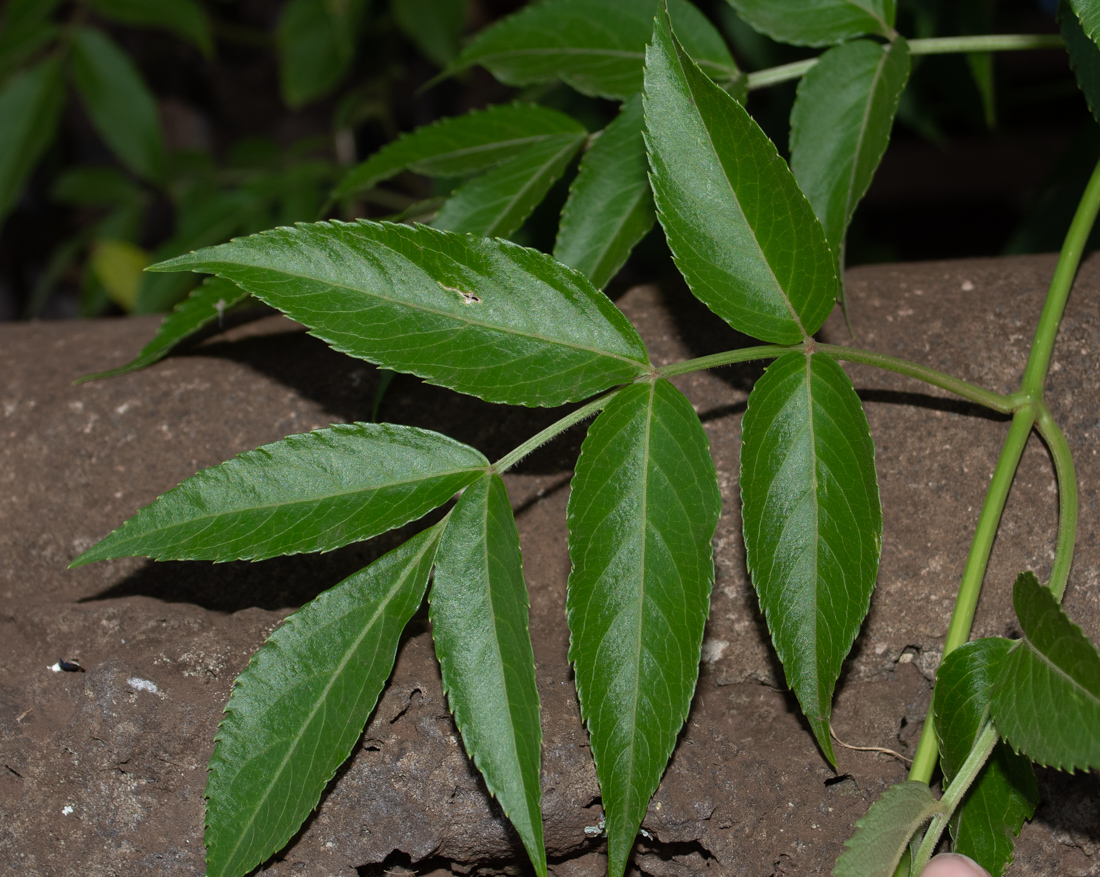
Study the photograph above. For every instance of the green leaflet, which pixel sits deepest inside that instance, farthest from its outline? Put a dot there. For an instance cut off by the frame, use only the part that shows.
(818, 22)
(642, 512)
(118, 101)
(316, 40)
(461, 145)
(812, 521)
(186, 18)
(610, 206)
(1046, 697)
(840, 126)
(597, 48)
(1088, 12)
(496, 203)
(478, 609)
(882, 836)
(206, 304)
(480, 316)
(1084, 57)
(297, 710)
(740, 230)
(1005, 793)
(435, 26)
(30, 106)
(311, 492)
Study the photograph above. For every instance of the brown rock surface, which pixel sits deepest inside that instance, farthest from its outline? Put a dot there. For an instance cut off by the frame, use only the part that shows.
(102, 771)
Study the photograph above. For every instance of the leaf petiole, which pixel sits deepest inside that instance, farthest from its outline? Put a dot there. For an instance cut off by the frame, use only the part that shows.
(953, 796)
(552, 431)
(931, 46)
(1005, 404)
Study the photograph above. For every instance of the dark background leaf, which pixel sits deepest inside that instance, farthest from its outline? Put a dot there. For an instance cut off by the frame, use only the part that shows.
(610, 206)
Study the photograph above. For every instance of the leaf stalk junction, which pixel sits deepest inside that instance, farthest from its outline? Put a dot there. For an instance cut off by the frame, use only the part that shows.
(1029, 412)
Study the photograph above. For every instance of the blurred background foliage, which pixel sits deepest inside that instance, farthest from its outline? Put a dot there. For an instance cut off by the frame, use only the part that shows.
(133, 131)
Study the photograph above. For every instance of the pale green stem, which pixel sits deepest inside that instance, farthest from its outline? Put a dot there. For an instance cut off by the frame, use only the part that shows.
(932, 46)
(958, 631)
(965, 389)
(975, 761)
(1032, 411)
(552, 431)
(1046, 333)
(1066, 475)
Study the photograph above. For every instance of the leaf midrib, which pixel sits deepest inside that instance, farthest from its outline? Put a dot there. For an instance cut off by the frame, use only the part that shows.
(1034, 650)
(864, 122)
(413, 305)
(626, 54)
(574, 141)
(500, 665)
(297, 502)
(410, 569)
(643, 525)
(869, 12)
(484, 147)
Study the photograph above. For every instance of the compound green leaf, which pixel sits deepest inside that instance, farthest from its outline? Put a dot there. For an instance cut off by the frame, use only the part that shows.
(642, 513)
(840, 126)
(1004, 795)
(1084, 57)
(496, 203)
(311, 492)
(461, 145)
(610, 206)
(316, 40)
(297, 710)
(597, 48)
(206, 303)
(1046, 697)
(185, 18)
(480, 316)
(741, 231)
(882, 836)
(30, 106)
(812, 521)
(478, 609)
(818, 22)
(435, 26)
(1088, 13)
(118, 101)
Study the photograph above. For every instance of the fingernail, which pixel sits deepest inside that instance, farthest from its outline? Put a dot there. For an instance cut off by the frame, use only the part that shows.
(953, 865)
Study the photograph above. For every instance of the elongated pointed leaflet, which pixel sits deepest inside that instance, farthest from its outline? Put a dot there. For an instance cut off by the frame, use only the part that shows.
(740, 230)
(481, 316)
(312, 492)
(642, 511)
(480, 625)
(812, 521)
(297, 710)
